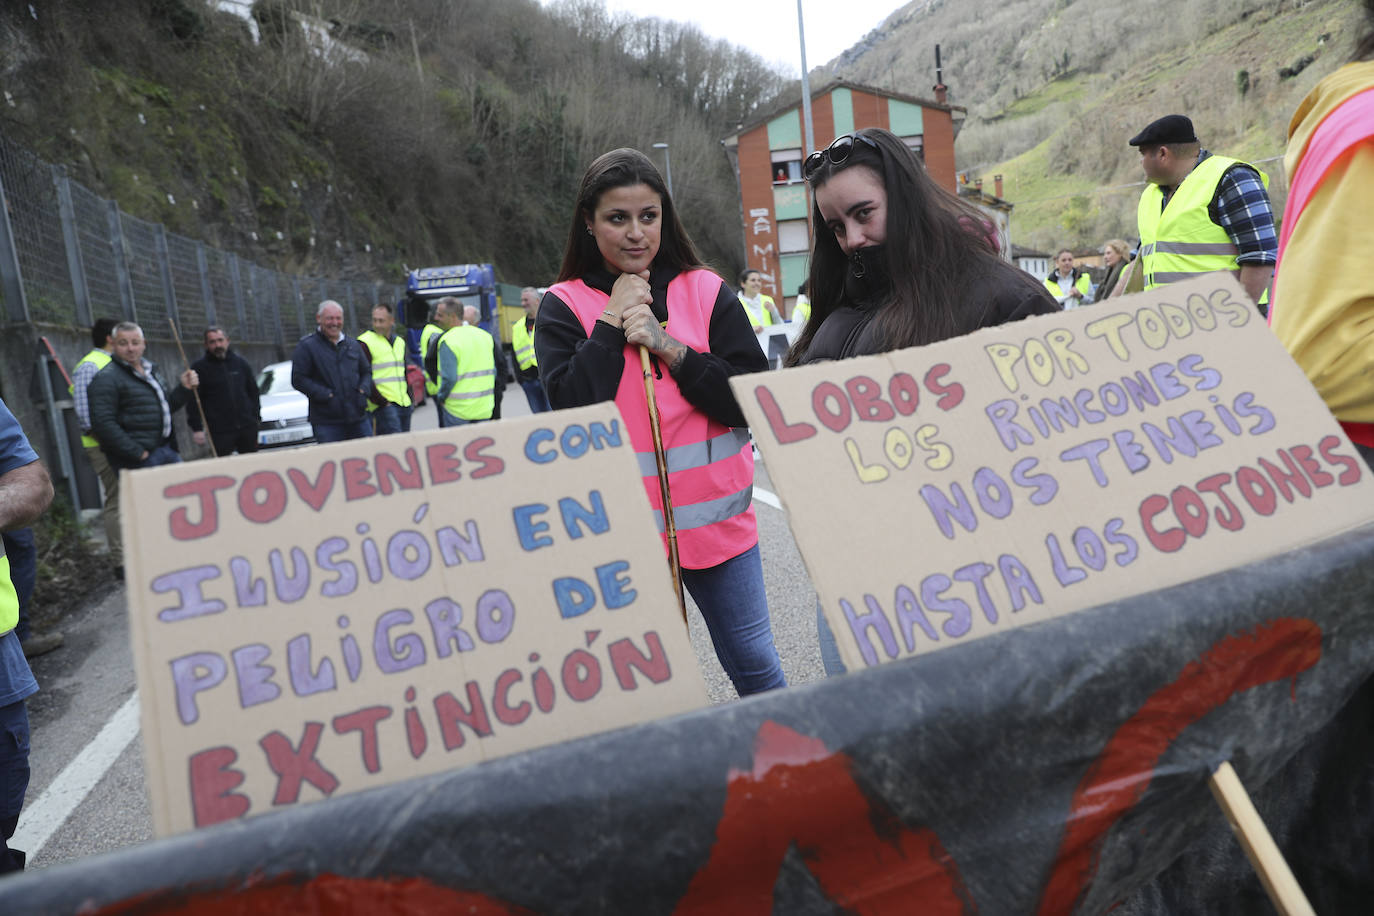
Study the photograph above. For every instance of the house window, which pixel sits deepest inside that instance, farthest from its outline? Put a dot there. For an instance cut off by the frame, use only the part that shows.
(916, 144)
(792, 236)
(787, 166)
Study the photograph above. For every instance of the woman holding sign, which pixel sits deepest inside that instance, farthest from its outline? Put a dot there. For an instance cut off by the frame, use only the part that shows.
(630, 278)
(897, 262)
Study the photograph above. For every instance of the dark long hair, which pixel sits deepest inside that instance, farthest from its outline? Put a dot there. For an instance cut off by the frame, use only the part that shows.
(939, 251)
(623, 168)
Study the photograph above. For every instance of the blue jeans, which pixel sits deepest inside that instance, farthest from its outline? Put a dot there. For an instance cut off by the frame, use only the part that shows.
(534, 394)
(163, 454)
(14, 779)
(23, 556)
(339, 432)
(447, 419)
(391, 418)
(734, 605)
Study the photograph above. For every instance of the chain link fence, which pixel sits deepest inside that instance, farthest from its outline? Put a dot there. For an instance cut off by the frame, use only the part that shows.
(68, 256)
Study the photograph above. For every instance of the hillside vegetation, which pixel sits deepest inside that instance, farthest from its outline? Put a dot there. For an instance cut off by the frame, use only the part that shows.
(1054, 88)
(356, 135)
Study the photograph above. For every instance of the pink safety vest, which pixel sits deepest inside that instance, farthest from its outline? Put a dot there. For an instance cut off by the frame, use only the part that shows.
(710, 465)
(1347, 126)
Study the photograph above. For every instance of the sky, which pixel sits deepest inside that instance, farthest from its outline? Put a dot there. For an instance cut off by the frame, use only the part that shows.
(769, 27)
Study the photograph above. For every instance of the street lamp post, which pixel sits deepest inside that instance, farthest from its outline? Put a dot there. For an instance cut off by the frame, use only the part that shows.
(667, 166)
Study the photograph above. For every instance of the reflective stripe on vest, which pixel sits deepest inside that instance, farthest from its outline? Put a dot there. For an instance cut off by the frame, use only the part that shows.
(9, 598)
(101, 360)
(523, 345)
(388, 367)
(1182, 241)
(473, 396)
(710, 466)
(430, 332)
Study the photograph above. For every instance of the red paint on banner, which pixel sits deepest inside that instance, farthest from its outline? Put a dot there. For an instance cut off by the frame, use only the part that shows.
(1280, 649)
(799, 794)
(331, 894)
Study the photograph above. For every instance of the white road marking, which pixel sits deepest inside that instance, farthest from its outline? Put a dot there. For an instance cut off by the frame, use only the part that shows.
(768, 499)
(40, 820)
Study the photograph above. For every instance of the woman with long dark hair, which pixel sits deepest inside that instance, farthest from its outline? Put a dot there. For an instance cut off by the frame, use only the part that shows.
(897, 262)
(630, 278)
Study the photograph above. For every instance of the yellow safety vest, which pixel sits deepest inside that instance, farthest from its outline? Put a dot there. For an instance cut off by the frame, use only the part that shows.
(764, 302)
(473, 396)
(388, 367)
(1182, 241)
(430, 332)
(1083, 284)
(101, 359)
(523, 345)
(9, 598)
(802, 310)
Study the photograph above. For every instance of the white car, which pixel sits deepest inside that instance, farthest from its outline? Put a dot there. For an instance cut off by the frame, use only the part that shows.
(285, 411)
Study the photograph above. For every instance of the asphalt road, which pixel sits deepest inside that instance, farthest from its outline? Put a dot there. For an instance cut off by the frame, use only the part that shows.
(87, 793)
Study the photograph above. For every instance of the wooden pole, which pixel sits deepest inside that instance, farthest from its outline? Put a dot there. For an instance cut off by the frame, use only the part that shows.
(669, 526)
(195, 391)
(1259, 846)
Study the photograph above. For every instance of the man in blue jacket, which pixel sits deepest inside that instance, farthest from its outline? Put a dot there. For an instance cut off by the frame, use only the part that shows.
(329, 368)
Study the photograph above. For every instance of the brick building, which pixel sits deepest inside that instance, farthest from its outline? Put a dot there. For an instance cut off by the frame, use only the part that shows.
(767, 155)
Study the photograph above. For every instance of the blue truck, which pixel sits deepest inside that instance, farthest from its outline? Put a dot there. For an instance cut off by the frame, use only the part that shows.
(472, 284)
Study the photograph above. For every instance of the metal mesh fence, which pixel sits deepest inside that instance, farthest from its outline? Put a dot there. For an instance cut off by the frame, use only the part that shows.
(92, 217)
(219, 277)
(31, 201)
(192, 314)
(129, 266)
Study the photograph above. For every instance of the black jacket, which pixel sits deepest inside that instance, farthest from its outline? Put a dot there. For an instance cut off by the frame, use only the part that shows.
(126, 413)
(577, 370)
(335, 377)
(228, 394)
(1009, 294)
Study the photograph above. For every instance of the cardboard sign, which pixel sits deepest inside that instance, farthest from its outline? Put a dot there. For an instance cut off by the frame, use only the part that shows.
(944, 493)
(328, 619)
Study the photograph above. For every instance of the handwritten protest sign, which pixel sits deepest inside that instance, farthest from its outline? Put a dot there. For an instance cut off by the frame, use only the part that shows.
(945, 493)
(332, 618)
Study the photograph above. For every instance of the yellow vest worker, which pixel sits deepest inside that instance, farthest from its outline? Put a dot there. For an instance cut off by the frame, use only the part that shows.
(523, 345)
(1055, 284)
(467, 373)
(100, 359)
(760, 310)
(431, 332)
(388, 367)
(1182, 241)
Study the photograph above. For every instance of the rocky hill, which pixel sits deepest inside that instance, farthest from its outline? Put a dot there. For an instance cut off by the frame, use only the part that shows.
(1054, 88)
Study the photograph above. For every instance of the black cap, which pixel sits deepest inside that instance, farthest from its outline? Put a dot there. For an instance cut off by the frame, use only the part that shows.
(1168, 129)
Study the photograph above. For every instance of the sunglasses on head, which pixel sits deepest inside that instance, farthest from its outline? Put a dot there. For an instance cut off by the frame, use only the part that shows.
(836, 152)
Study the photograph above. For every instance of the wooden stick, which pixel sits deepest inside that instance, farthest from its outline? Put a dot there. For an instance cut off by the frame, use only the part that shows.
(1259, 846)
(195, 391)
(669, 526)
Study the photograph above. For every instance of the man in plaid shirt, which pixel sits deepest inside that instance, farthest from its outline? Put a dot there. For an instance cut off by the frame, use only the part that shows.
(1201, 212)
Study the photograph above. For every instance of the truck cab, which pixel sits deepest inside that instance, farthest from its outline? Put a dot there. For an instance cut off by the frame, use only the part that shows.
(472, 284)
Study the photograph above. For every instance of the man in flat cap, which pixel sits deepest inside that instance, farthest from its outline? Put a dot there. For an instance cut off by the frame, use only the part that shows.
(1202, 212)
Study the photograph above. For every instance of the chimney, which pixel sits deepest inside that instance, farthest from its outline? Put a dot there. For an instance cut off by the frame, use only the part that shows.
(997, 185)
(978, 183)
(940, 89)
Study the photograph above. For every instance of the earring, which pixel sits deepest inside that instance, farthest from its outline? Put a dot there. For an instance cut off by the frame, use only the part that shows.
(589, 231)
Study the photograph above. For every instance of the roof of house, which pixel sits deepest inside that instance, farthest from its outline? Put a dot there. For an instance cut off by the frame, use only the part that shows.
(1018, 252)
(831, 86)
